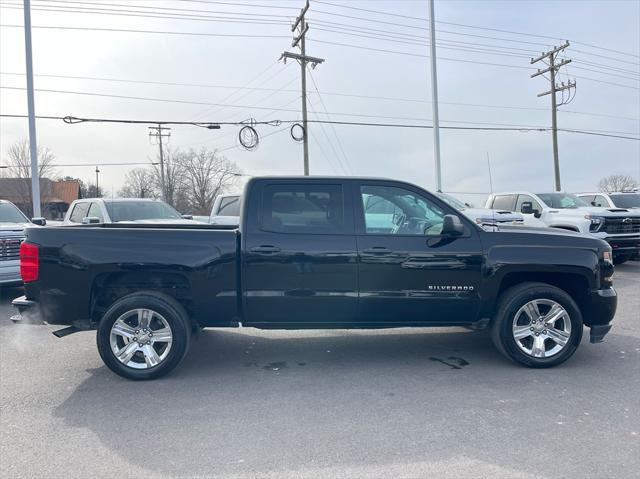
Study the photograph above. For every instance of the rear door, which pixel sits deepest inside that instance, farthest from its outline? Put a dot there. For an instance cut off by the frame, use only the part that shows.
(408, 272)
(299, 253)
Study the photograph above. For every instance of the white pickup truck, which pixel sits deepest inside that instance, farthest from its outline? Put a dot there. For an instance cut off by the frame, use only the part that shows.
(620, 227)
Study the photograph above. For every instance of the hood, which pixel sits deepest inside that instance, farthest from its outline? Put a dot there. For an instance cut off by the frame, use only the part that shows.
(160, 221)
(14, 227)
(225, 220)
(487, 215)
(597, 211)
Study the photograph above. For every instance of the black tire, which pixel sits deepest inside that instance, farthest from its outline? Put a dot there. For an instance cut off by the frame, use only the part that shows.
(510, 303)
(169, 309)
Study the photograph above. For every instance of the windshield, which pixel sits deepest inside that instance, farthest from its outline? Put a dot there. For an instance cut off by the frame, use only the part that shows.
(453, 202)
(140, 210)
(627, 200)
(561, 200)
(11, 214)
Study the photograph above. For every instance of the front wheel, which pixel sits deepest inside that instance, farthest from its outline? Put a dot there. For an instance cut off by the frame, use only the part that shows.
(537, 325)
(143, 335)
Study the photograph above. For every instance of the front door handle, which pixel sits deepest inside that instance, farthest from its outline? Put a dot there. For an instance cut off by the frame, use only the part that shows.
(265, 248)
(377, 250)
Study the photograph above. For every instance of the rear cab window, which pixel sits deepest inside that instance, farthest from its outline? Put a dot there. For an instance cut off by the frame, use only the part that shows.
(303, 208)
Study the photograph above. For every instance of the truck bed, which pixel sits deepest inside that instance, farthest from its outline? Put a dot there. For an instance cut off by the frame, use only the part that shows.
(87, 265)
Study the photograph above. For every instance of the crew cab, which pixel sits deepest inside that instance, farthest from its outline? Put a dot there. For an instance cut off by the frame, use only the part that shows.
(310, 252)
(114, 210)
(620, 227)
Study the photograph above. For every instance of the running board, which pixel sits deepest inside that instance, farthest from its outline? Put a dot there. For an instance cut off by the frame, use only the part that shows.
(61, 333)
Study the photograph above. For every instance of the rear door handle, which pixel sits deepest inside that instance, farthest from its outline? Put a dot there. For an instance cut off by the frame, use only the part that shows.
(377, 250)
(265, 249)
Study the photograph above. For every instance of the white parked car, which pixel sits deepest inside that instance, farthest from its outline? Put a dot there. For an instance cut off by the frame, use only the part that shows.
(629, 199)
(226, 210)
(620, 227)
(483, 216)
(12, 225)
(116, 210)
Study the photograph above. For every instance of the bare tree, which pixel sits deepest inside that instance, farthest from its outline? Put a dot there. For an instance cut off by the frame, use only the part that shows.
(207, 174)
(174, 181)
(617, 183)
(139, 183)
(19, 166)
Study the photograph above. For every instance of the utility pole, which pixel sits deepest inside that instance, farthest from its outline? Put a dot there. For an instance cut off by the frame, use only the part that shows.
(552, 69)
(33, 144)
(97, 189)
(434, 97)
(157, 132)
(302, 28)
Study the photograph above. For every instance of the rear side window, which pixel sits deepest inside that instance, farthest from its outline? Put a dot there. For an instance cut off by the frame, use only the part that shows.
(79, 211)
(504, 202)
(229, 206)
(303, 209)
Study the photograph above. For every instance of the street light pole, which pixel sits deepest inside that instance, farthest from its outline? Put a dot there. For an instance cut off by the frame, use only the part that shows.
(434, 96)
(33, 145)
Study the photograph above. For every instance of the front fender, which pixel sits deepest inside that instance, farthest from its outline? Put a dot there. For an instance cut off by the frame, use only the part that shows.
(537, 263)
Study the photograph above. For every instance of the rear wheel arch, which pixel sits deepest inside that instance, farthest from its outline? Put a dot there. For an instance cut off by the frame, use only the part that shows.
(110, 287)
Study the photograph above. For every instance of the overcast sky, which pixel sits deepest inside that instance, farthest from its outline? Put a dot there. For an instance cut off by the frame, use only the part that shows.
(483, 73)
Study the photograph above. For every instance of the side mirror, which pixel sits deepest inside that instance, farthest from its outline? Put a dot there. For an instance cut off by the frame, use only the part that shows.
(526, 208)
(90, 220)
(187, 217)
(593, 203)
(39, 221)
(452, 226)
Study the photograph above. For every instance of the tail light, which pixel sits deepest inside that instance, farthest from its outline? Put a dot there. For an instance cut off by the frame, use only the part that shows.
(29, 261)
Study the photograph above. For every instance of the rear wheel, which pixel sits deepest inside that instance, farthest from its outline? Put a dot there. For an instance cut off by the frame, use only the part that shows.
(537, 325)
(143, 335)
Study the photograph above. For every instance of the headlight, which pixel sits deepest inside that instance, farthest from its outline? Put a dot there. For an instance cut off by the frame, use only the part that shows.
(608, 277)
(596, 223)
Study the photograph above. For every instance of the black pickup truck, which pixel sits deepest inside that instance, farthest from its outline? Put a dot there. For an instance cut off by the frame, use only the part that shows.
(317, 252)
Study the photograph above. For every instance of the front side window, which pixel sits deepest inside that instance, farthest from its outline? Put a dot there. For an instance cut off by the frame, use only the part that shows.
(303, 209)
(561, 200)
(392, 210)
(526, 198)
(79, 212)
(96, 212)
(600, 201)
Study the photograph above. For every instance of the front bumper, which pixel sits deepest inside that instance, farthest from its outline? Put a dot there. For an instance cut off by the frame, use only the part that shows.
(624, 246)
(600, 312)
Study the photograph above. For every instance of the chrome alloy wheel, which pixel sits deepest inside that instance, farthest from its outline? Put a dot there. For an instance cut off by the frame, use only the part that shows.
(541, 328)
(141, 338)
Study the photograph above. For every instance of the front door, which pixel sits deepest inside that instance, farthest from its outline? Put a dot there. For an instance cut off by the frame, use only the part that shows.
(409, 272)
(300, 255)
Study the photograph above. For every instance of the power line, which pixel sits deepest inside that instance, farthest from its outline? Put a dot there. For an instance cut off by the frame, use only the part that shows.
(523, 129)
(467, 26)
(159, 32)
(329, 93)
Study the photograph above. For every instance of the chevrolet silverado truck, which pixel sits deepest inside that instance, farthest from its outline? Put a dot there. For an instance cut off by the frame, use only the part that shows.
(312, 252)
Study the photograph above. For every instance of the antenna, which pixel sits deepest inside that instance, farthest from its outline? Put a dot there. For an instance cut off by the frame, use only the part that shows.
(493, 210)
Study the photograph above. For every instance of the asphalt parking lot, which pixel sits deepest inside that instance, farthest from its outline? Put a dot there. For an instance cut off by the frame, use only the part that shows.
(250, 403)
